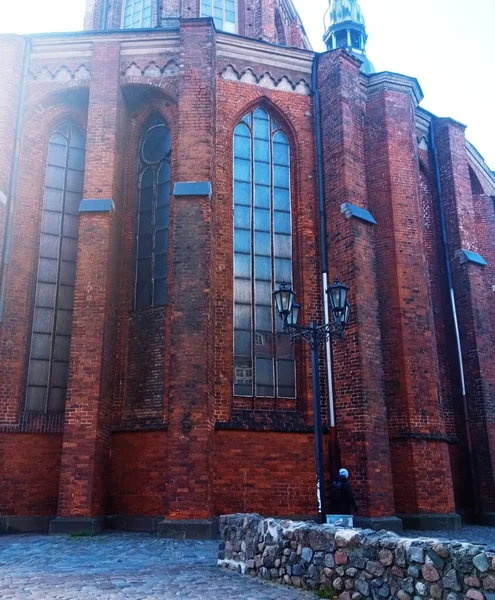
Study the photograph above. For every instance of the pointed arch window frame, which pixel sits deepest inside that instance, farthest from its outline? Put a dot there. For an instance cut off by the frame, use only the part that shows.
(152, 214)
(263, 256)
(51, 326)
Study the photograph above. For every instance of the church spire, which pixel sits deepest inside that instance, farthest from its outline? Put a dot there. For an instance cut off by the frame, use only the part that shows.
(346, 28)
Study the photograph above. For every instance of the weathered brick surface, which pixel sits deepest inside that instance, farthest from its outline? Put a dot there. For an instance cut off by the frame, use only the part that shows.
(409, 349)
(138, 474)
(29, 472)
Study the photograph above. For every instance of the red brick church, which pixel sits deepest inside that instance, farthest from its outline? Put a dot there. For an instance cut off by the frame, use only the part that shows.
(161, 173)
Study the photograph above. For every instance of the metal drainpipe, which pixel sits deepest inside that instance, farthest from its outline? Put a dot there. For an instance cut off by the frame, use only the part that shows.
(14, 175)
(104, 17)
(450, 281)
(324, 263)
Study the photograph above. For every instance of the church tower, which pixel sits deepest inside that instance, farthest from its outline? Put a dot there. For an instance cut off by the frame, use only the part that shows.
(345, 27)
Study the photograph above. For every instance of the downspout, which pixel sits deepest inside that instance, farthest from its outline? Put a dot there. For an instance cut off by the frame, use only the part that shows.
(324, 262)
(450, 282)
(104, 17)
(14, 176)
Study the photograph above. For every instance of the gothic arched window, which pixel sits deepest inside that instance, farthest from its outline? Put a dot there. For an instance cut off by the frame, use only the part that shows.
(52, 319)
(224, 13)
(264, 364)
(153, 214)
(137, 14)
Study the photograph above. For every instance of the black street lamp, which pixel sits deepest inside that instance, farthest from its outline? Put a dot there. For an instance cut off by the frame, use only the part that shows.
(315, 335)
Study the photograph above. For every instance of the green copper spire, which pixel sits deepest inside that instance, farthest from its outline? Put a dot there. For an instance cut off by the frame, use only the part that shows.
(346, 28)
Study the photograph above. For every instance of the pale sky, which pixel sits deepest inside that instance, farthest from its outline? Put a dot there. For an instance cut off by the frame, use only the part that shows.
(449, 45)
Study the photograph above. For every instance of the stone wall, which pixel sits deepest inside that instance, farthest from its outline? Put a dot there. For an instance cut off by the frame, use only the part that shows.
(357, 564)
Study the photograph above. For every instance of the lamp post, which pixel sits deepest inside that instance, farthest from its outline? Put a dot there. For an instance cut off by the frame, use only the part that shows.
(315, 335)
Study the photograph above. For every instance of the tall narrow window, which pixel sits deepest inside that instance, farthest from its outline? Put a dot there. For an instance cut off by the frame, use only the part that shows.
(223, 12)
(137, 14)
(52, 318)
(264, 363)
(153, 215)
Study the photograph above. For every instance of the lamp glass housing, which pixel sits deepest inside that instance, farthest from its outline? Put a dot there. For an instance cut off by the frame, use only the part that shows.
(337, 294)
(294, 314)
(284, 299)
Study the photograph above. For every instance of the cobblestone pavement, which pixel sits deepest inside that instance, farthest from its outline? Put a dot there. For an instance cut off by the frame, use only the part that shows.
(123, 566)
(473, 533)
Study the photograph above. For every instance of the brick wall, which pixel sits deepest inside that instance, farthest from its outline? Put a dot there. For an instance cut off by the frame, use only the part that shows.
(268, 473)
(29, 474)
(138, 474)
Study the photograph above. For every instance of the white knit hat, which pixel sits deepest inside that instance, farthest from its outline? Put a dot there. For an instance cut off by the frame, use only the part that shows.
(344, 473)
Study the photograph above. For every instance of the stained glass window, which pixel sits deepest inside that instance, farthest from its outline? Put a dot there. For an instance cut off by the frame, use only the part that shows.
(52, 319)
(153, 215)
(223, 13)
(264, 364)
(137, 14)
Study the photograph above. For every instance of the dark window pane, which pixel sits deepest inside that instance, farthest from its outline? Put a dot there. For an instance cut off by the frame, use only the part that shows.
(77, 140)
(263, 344)
(162, 217)
(47, 270)
(263, 268)
(161, 240)
(262, 173)
(242, 241)
(242, 131)
(143, 295)
(75, 180)
(283, 270)
(71, 225)
(69, 249)
(262, 150)
(242, 216)
(43, 320)
(64, 322)
(285, 348)
(281, 199)
(242, 265)
(242, 317)
(56, 400)
(242, 291)
(264, 318)
(57, 151)
(76, 159)
(156, 144)
(146, 201)
(50, 222)
(262, 243)
(161, 265)
(281, 177)
(38, 372)
(145, 246)
(264, 377)
(242, 169)
(36, 399)
(286, 378)
(243, 376)
(67, 273)
(262, 196)
(41, 346)
(45, 295)
(62, 348)
(242, 147)
(263, 293)
(53, 200)
(242, 193)
(280, 149)
(282, 246)
(144, 270)
(145, 222)
(160, 292)
(73, 202)
(49, 246)
(66, 297)
(281, 222)
(60, 373)
(262, 220)
(55, 177)
(242, 343)
(164, 173)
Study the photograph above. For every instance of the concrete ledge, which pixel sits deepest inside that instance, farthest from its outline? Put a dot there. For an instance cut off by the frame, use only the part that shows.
(488, 518)
(24, 524)
(141, 524)
(189, 530)
(379, 523)
(431, 521)
(192, 188)
(90, 526)
(95, 205)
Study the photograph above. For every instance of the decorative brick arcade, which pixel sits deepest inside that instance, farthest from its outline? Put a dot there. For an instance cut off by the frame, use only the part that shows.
(132, 393)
